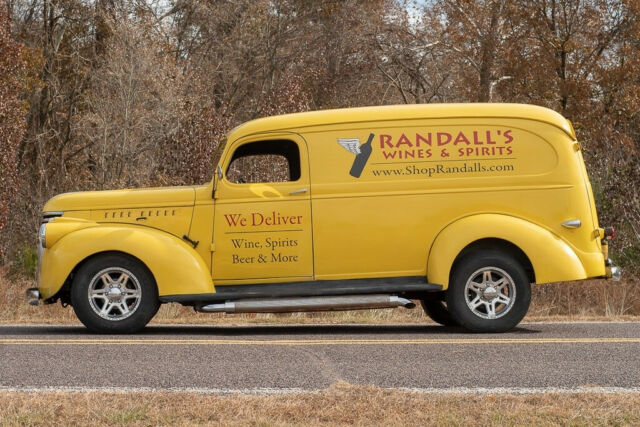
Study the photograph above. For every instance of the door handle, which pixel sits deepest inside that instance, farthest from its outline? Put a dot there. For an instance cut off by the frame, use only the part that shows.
(300, 191)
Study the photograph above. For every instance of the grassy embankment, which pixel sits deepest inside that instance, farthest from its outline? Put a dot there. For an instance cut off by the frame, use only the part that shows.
(596, 299)
(341, 404)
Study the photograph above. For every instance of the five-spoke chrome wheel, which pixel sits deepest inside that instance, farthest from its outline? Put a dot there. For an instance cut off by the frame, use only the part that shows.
(114, 293)
(490, 292)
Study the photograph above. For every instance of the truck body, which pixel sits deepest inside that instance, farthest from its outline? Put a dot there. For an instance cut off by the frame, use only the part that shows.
(389, 202)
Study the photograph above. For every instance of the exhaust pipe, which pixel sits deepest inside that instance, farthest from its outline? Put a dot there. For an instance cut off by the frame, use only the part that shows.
(33, 296)
(287, 305)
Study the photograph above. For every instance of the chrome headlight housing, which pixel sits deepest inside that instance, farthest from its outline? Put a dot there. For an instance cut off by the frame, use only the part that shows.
(42, 241)
(42, 236)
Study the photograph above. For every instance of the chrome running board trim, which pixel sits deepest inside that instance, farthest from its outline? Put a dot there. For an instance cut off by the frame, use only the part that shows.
(284, 305)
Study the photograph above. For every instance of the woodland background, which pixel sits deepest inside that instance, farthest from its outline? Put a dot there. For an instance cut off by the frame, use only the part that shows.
(101, 94)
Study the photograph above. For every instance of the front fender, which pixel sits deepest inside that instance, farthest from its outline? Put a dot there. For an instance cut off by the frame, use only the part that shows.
(552, 259)
(176, 266)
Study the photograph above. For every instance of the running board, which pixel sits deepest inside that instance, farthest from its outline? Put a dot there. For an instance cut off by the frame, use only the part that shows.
(414, 287)
(288, 305)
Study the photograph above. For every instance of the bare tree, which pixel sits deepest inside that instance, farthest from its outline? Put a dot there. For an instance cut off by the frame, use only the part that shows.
(133, 106)
(13, 81)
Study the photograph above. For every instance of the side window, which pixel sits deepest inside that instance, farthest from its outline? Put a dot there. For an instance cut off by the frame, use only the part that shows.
(265, 161)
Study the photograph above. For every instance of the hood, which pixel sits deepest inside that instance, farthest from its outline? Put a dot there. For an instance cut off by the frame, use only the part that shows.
(120, 199)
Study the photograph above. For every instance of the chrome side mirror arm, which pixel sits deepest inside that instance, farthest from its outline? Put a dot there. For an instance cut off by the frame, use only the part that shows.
(216, 178)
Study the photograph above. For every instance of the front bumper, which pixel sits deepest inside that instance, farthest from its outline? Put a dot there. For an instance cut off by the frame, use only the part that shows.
(33, 296)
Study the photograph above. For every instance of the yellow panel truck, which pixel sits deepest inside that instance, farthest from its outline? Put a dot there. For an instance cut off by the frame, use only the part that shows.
(459, 206)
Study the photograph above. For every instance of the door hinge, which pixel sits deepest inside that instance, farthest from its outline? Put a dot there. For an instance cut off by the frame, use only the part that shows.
(213, 247)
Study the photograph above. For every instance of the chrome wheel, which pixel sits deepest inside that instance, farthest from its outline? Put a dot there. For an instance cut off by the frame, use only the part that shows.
(114, 293)
(490, 292)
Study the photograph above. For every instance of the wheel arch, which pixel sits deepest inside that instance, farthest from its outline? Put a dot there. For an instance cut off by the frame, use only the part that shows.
(492, 243)
(175, 266)
(551, 259)
(65, 291)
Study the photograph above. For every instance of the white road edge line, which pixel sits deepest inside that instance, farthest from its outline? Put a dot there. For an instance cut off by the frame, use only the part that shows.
(288, 391)
(524, 390)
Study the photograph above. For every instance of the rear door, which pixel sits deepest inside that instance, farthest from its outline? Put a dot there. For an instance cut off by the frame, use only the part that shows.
(262, 222)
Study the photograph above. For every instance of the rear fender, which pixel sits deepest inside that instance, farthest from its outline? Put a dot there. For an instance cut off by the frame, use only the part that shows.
(552, 259)
(176, 266)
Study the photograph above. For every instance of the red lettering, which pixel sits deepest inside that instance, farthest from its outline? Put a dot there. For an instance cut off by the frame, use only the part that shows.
(485, 151)
(385, 139)
(476, 141)
(404, 141)
(461, 138)
(234, 220)
(420, 138)
(443, 138)
(489, 140)
(389, 155)
(258, 217)
(509, 138)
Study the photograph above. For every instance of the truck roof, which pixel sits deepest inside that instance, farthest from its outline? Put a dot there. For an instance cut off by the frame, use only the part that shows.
(400, 112)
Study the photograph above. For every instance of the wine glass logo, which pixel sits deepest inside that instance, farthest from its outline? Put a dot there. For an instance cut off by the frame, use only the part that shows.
(362, 153)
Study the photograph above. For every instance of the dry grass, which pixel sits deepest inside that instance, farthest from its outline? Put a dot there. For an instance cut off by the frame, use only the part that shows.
(588, 300)
(341, 404)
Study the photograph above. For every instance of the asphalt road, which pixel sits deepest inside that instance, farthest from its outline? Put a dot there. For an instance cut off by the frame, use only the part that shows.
(228, 358)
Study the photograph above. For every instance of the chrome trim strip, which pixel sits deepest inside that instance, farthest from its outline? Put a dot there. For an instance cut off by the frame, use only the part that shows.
(329, 303)
(48, 216)
(52, 214)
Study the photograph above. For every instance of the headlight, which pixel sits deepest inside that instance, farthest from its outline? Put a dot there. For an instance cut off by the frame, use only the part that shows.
(42, 237)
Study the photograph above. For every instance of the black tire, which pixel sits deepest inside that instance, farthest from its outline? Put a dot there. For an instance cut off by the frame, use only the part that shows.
(436, 309)
(510, 298)
(132, 305)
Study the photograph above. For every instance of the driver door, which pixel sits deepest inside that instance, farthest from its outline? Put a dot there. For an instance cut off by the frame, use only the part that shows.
(262, 222)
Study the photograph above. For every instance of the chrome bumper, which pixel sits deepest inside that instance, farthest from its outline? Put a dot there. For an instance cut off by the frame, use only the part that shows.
(613, 272)
(616, 273)
(33, 296)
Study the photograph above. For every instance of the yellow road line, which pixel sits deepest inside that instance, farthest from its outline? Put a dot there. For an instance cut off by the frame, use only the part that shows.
(301, 342)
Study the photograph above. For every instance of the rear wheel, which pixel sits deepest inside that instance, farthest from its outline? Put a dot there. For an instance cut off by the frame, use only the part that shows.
(489, 291)
(436, 309)
(114, 293)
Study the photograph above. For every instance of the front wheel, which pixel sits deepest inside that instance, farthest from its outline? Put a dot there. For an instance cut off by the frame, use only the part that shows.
(114, 293)
(489, 291)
